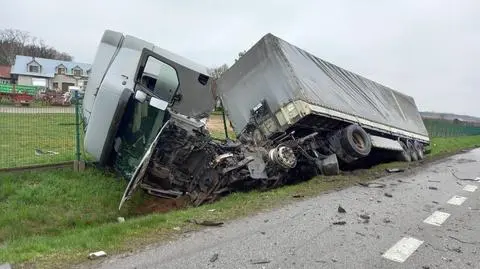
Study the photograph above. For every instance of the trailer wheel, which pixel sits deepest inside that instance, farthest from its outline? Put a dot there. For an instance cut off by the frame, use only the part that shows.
(404, 155)
(355, 141)
(412, 151)
(419, 150)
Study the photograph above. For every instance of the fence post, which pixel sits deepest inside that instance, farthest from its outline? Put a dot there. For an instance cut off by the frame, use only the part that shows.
(78, 164)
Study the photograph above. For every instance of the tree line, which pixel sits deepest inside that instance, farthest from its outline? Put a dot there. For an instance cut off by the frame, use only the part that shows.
(17, 42)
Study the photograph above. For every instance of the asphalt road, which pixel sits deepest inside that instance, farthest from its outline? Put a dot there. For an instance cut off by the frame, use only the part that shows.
(402, 231)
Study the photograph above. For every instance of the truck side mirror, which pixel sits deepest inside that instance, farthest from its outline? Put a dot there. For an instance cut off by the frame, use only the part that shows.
(140, 96)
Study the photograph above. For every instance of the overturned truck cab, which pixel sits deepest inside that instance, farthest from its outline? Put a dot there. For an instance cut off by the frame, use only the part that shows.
(142, 112)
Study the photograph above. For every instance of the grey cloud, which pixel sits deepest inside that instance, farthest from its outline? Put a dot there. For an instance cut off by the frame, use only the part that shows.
(428, 49)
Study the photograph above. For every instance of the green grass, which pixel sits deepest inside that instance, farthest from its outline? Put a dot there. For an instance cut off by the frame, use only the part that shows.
(53, 218)
(21, 134)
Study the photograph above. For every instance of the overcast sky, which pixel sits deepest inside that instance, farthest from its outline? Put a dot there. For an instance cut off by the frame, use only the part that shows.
(428, 49)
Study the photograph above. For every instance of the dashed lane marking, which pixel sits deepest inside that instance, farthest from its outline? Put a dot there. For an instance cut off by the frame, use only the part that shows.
(470, 188)
(437, 218)
(457, 200)
(402, 249)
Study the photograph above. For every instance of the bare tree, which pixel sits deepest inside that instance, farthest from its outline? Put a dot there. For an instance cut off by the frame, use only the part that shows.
(240, 55)
(16, 42)
(217, 72)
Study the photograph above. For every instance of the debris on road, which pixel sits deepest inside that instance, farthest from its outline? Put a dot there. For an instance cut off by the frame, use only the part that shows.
(214, 258)
(387, 220)
(432, 188)
(372, 184)
(96, 255)
(298, 196)
(339, 223)
(259, 261)
(364, 216)
(388, 195)
(395, 170)
(455, 249)
(359, 233)
(469, 179)
(341, 210)
(206, 222)
(425, 267)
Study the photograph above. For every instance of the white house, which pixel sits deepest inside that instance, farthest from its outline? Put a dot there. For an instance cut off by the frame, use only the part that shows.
(52, 74)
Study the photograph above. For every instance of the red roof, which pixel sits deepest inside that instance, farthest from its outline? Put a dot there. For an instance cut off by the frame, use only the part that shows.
(5, 71)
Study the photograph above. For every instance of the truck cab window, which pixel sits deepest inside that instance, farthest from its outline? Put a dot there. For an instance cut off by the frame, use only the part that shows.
(160, 78)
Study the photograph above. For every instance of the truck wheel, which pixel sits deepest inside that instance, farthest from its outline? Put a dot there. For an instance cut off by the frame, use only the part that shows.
(412, 151)
(355, 141)
(419, 149)
(404, 155)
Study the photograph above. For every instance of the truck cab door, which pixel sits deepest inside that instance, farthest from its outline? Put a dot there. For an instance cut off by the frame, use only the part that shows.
(146, 116)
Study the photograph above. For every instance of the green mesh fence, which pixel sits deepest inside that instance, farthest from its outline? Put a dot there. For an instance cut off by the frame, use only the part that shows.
(36, 133)
(445, 128)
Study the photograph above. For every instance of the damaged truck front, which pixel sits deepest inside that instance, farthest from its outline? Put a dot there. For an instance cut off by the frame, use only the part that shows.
(143, 111)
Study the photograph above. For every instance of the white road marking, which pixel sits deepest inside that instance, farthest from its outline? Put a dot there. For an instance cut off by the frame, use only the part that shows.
(437, 218)
(457, 200)
(470, 188)
(402, 249)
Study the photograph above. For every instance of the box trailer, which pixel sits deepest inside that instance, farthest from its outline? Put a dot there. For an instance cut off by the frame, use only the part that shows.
(278, 89)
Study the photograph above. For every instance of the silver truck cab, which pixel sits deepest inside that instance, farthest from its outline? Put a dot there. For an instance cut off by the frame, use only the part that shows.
(131, 85)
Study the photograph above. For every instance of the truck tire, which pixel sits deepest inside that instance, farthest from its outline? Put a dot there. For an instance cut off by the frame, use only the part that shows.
(355, 141)
(404, 155)
(412, 150)
(419, 149)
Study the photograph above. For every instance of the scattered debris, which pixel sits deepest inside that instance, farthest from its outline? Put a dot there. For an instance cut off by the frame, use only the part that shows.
(432, 188)
(470, 179)
(259, 261)
(388, 195)
(40, 152)
(341, 210)
(176, 228)
(121, 219)
(265, 221)
(395, 170)
(387, 220)
(372, 184)
(455, 249)
(334, 260)
(214, 258)
(438, 181)
(359, 233)
(206, 222)
(96, 255)
(298, 196)
(435, 202)
(339, 223)
(462, 241)
(262, 233)
(425, 267)
(5, 266)
(364, 216)
(447, 259)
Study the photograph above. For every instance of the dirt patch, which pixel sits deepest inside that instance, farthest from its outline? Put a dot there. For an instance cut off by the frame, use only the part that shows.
(215, 124)
(158, 205)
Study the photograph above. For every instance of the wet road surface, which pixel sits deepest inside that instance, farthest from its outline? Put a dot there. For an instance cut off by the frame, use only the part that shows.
(428, 219)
